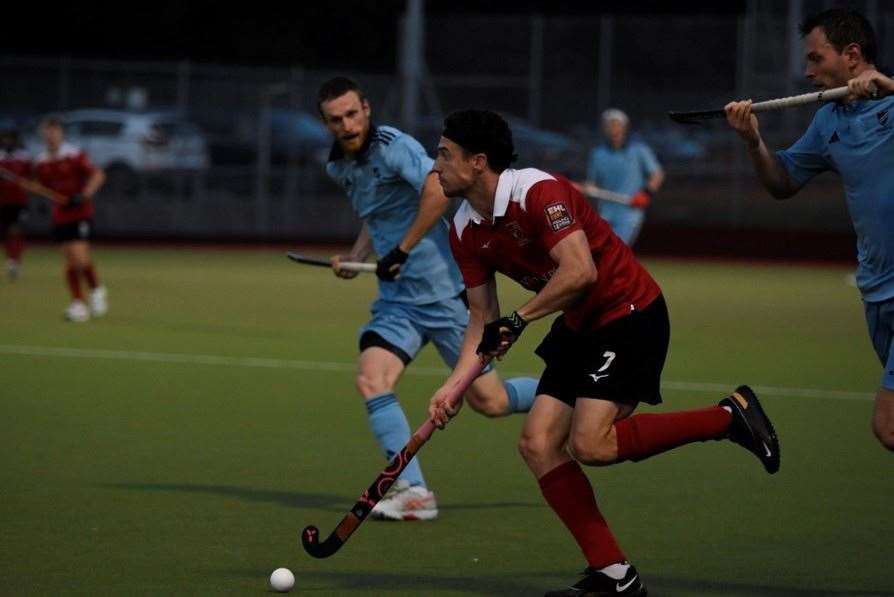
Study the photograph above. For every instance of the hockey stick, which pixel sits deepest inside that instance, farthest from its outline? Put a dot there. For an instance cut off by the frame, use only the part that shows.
(350, 266)
(310, 536)
(591, 190)
(827, 95)
(33, 187)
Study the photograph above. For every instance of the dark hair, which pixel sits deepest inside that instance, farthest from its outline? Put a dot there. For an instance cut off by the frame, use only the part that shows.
(51, 120)
(842, 27)
(337, 87)
(482, 131)
(11, 137)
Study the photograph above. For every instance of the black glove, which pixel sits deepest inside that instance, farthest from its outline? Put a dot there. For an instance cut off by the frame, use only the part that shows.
(506, 328)
(75, 201)
(389, 265)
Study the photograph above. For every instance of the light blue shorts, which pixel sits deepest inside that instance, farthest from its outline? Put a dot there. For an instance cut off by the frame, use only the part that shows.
(411, 327)
(880, 319)
(625, 221)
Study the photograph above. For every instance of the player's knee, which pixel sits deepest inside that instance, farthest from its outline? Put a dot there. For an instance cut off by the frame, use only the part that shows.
(885, 434)
(533, 447)
(489, 406)
(371, 385)
(592, 451)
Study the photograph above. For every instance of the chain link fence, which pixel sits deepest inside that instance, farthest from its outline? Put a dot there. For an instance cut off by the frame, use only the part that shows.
(263, 176)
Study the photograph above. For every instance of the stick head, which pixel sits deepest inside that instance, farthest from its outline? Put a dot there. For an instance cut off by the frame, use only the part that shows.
(310, 539)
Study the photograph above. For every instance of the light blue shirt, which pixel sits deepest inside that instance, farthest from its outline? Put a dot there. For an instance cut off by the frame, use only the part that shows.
(384, 182)
(625, 170)
(857, 141)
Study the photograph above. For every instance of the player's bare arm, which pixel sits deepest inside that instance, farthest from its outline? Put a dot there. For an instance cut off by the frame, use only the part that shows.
(432, 205)
(871, 84)
(359, 252)
(771, 173)
(655, 181)
(94, 182)
(484, 306)
(576, 272)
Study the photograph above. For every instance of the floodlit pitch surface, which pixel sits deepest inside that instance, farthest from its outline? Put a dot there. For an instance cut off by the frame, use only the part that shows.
(179, 445)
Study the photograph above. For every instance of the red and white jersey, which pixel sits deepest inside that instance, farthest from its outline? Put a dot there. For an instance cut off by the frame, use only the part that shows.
(67, 173)
(533, 211)
(19, 163)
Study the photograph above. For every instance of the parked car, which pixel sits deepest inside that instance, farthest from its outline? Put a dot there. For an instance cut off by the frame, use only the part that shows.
(128, 145)
(294, 136)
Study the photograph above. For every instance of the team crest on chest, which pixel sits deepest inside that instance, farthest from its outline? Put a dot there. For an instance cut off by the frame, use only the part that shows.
(517, 233)
(558, 217)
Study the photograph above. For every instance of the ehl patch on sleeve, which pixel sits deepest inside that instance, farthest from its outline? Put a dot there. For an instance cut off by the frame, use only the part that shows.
(558, 217)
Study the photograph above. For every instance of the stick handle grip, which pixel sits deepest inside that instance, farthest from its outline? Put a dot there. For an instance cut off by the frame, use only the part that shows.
(827, 95)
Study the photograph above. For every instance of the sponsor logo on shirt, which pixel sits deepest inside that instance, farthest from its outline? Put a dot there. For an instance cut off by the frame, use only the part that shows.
(882, 117)
(558, 217)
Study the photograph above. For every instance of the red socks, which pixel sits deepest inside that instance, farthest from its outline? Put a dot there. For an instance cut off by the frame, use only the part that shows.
(641, 436)
(15, 244)
(90, 276)
(72, 275)
(569, 493)
(74, 285)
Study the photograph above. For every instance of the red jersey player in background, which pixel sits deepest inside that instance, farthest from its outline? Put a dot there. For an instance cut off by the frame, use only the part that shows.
(604, 353)
(13, 199)
(67, 170)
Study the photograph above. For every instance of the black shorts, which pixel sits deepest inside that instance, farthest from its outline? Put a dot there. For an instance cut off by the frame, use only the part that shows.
(80, 230)
(11, 215)
(620, 362)
(370, 338)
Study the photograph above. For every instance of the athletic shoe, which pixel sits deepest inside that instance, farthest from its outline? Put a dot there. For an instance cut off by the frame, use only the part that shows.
(77, 311)
(98, 303)
(599, 584)
(405, 502)
(13, 270)
(751, 428)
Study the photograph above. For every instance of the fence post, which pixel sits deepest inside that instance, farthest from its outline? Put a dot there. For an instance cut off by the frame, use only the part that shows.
(535, 70)
(604, 75)
(183, 73)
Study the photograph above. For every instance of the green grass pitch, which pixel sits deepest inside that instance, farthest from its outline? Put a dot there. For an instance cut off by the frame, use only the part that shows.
(179, 445)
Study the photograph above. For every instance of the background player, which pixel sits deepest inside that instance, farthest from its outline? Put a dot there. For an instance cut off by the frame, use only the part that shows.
(854, 138)
(13, 199)
(387, 176)
(625, 167)
(67, 170)
(603, 355)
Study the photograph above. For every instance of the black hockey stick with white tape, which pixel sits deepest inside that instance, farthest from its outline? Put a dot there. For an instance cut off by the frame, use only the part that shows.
(350, 266)
(827, 95)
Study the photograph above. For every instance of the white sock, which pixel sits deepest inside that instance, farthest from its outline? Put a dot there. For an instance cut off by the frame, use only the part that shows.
(616, 571)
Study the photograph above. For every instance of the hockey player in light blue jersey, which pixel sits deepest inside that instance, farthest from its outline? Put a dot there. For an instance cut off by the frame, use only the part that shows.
(854, 138)
(387, 176)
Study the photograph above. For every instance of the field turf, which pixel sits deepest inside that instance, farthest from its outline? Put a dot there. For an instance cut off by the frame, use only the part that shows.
(179, 445)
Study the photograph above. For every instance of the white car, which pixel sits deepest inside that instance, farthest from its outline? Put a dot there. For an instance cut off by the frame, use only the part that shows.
(129, 144)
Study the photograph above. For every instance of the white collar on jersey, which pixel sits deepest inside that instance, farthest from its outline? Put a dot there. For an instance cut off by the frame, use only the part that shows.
(513, 185)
